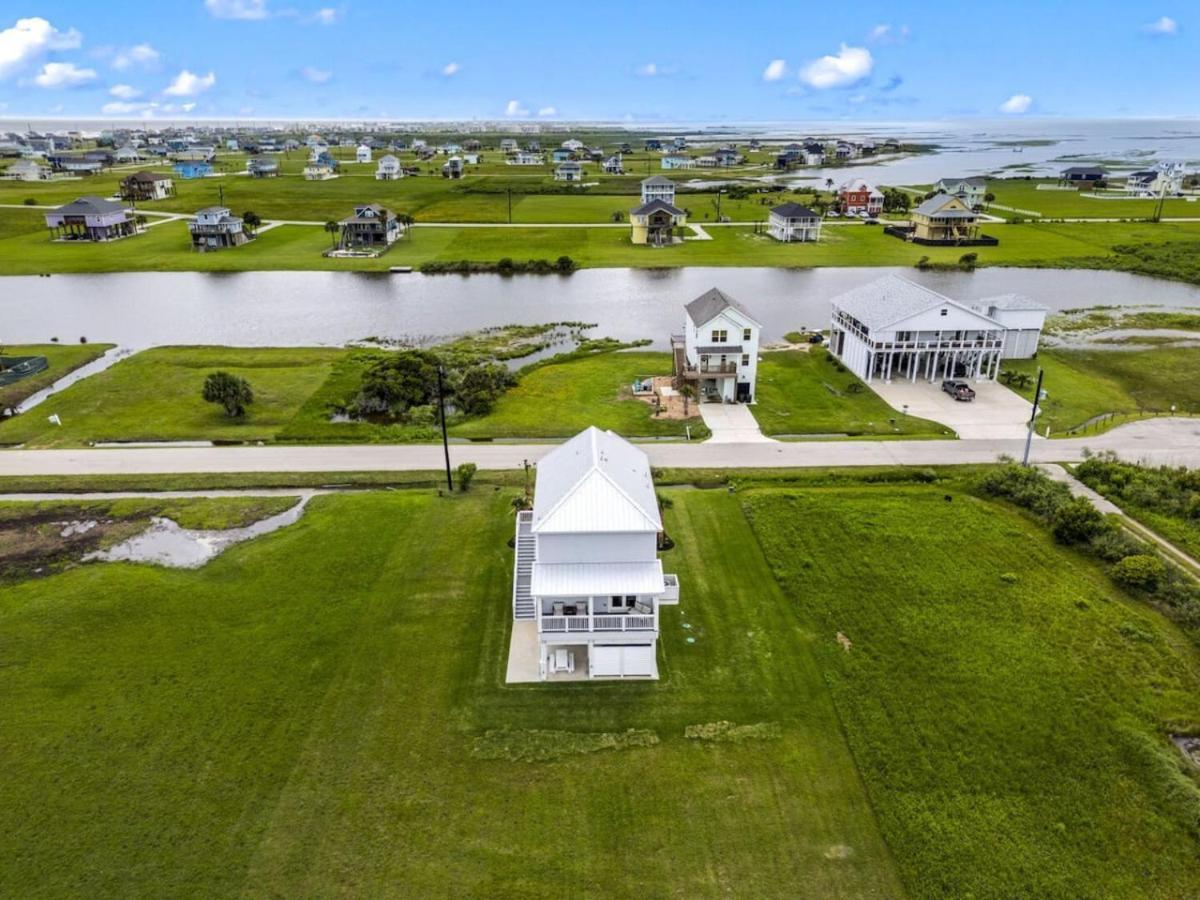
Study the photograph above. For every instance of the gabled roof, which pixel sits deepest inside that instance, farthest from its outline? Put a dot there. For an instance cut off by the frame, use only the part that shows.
(657, 181)
(936, 206)
(793, 211)
(1084, 170)
(655, 206)
(857, 185)
(711, 304)
(1011, 301)
(892, 299)
(147, 177)
(974, 181)
(595, 482)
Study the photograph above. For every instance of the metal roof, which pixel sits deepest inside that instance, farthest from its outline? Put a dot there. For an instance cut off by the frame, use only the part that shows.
(935, 206)
(91, 206)
(793, 211)
(596, 579)
(891, 299)
(596, 482)
(711, 304)
(656, 206)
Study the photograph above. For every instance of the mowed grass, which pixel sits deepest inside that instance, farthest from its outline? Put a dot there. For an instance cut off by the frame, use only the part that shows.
(1007, 707)
(166, 247)
(321, 712)
(562, 399)
(802, 392)
(62, 358)
(155, 395)
(1084, 384)
(1024, 194)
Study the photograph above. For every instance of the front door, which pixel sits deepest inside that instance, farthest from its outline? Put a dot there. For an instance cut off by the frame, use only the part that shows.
(743, 392)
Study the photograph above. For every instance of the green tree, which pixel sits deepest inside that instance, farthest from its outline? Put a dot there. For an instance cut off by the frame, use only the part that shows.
(333, 228)
(688, 393)
(406, 222)
(251, 220)
(1076, 521)
(481, 386)
(230, 391)
(401, 381)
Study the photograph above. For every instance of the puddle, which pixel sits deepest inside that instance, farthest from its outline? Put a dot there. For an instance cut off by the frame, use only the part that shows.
(165, 543)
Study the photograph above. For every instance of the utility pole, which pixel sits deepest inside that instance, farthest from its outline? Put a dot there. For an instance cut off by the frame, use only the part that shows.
(1162, 197)
(1037, 398)
(719, 192)
(221, 193)
(445, 438)
(510, 206)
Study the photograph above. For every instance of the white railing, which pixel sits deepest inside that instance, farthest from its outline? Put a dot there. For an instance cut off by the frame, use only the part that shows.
(572, 624)
(670, 589)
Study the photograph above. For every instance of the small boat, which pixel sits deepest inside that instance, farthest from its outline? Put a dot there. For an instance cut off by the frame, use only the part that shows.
(400, 270)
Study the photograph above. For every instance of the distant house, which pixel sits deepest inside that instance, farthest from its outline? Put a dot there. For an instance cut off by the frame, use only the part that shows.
(678, 162)
(362, 154)
(472, 158)
(568, 171)
(727, 157)
(652, 145)
(1084, 174)
(193, 169)
(708, 161)
(857, 197)
(718, 350)
(194, 154)
(372, 227)
(613, 165)
(524, 158)
(215, 228)
(970, 191)
(586, 569)
(452, 168)
(656, 223)
(508, 145)
(146, 186)
(1161, 180)
(92, 219)
(944, 218)
(572, 145)
(388, 168)
(27, 170)
(793, 222)
(318, 171)
(76, 165)
(262, 167)
(893, 328)
(561, 154)
(127, 154)
(656, 187)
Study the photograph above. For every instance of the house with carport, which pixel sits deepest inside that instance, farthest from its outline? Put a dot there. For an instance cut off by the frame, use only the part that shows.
(793, 222)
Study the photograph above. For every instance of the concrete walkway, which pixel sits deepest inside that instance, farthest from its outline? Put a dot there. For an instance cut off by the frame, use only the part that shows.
(732, 423)
(1162, 441)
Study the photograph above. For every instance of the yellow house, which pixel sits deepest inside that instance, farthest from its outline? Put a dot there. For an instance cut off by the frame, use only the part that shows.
(945, 218)
(655, 223)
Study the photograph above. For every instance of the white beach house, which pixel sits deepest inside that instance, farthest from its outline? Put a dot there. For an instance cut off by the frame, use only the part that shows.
(718, 350)
(893, 328)
(587, 571)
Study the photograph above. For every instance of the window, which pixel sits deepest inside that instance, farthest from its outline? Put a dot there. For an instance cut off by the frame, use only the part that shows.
(720, 337)
(944, 312)
(745, 334)
(745, 359)
(630, 599)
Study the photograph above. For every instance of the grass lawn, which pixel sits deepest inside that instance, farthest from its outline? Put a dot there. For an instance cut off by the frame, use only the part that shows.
(1009, 728)
(1024, 194)
(561, 399)
(796, 395)
(63, 359)
(155, 396)
(166, 247)
(210, 732)
(1084, 384)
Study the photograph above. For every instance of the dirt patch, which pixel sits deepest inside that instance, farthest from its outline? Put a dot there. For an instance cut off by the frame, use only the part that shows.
(41, 542)
(1189, 746)
(668, 402)
(844, 641)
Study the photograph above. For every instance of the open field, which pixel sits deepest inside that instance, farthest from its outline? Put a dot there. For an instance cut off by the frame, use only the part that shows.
(63, 359)
(352, 734)
(1082, 385)
(1024, 194)
(166, 247)
(796, 395)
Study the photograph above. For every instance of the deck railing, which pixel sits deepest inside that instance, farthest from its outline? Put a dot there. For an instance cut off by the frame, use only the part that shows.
(602, 622)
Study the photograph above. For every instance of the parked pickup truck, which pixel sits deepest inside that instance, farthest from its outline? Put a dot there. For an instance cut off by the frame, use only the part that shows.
(959, 390)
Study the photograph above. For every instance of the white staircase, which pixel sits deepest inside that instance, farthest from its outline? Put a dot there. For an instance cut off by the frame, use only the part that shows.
(523, 605)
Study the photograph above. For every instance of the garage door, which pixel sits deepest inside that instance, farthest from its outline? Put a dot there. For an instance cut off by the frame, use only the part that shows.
(623, 661)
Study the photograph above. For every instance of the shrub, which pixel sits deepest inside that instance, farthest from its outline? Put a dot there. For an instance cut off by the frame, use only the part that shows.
(1076, 521)
(1114, 544)
(1142, 572)
(465, 473)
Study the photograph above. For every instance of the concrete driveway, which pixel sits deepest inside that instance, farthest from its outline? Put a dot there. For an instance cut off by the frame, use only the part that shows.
(996, 413)
(732, 423)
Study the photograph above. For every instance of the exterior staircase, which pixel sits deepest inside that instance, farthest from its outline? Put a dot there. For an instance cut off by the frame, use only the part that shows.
(523, 605)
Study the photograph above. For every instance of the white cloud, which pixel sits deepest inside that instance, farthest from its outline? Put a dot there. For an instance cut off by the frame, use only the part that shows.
(124, 92)
(30, 38)
(775, 70)
(188, 84)
(547, 111)
(326, 15)
(315, 75)
(649, 70)
(138, 54)
(1016, 104)
(888, 34)
(237, 9)
(848, 66)
(451, 69)
(187, 107)
(63, 75)
(514, 109)
(1164, 26)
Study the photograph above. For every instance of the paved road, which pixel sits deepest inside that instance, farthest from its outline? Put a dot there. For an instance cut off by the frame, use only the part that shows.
(1154, 441)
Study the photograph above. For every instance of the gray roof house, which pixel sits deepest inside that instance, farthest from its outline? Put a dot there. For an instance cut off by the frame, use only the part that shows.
(91, 218)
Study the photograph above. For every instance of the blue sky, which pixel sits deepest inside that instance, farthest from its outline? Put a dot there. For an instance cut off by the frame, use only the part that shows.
(612, 61)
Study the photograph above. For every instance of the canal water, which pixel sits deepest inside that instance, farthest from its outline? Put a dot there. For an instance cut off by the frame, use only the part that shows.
(332, 308)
